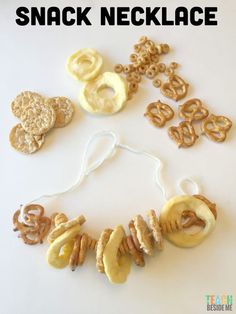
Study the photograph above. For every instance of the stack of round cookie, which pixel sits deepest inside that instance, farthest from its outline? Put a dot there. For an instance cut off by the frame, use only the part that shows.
(38, 115)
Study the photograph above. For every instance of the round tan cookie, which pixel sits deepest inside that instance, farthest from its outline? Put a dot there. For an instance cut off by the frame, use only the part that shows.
(64, 110)
(156, 229)
(23, 100)
(25, 142)
(143, 235)
(38, 118)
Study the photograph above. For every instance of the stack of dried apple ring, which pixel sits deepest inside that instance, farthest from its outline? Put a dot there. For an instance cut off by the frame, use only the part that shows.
(85, 65)
(114, 250)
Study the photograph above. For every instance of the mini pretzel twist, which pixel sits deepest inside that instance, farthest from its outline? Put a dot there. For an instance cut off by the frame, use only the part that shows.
(159, 113)
(193, 110)
(175, 88)
(216, 127)
(37, 226)
(184, 134)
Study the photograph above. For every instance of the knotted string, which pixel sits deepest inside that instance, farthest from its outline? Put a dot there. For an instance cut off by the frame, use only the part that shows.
(87, 169)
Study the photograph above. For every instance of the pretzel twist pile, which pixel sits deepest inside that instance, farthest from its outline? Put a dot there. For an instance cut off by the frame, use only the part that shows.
(36, 227)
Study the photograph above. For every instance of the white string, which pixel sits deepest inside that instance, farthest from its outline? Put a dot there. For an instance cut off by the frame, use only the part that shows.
(86, 169)
(180, 185)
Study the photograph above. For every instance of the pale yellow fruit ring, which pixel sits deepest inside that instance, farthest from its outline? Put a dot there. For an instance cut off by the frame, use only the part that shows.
(116, 268)
(172, 212)
(54, 256)
(85, 64)
(93, 102)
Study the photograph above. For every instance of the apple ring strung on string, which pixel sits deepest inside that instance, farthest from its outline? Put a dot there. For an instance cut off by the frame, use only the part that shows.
(172, 213)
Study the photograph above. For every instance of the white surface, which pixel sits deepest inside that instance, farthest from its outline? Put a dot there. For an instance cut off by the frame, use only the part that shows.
(175, 281)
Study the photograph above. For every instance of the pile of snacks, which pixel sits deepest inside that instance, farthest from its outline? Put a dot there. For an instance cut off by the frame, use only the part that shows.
(38, 116)
(114, 249)
(85, 65)
(36, 227)
(184, 135)
(145, 60)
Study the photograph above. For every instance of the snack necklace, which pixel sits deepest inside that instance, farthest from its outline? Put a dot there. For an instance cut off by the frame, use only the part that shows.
(68, 246)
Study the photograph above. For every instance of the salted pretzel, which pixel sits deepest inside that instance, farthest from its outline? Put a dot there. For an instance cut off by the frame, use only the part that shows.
(216, 127)
(184, 134)
(158, 113)
(175, 88)
(193, 110)
(36, 227)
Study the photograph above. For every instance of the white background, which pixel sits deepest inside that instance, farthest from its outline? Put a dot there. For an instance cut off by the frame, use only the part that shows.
(174, 281)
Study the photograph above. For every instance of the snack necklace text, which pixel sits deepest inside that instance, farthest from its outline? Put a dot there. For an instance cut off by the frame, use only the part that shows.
(113, 248)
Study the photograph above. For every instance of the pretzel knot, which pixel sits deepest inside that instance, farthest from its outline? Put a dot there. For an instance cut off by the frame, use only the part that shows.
(175, 88)
(193, 110)
(192, 218)
(184, 134)
(36, 227)
(216, 127)
(158, 113)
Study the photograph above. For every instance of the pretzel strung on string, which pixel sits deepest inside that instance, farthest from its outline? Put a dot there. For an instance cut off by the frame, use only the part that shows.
(184, 134)
(142, 239)
(36, 227)
(216, 127)
(114, 249)
(193, 110)
(159, 113)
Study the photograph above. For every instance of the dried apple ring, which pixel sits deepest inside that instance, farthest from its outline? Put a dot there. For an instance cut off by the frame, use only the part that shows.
(172, 213)
(92, 101)
(63, 243)
(85, 64)
(116, 268)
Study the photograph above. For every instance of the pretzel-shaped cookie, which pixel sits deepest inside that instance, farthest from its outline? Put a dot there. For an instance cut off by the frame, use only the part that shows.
(37, 226)
(184, 134)
(175, 88)
(216, 127)
(158, 113)
(193, 110)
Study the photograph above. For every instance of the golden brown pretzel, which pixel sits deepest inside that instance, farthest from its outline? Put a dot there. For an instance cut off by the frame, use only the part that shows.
(184, 134)
(158, 113)
(216, 127)
(192, 219)
(36, 227)
(37, 237)
(193, 110)
(175, 88)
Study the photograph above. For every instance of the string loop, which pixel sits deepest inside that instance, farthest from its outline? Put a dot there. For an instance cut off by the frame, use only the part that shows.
(87, 169)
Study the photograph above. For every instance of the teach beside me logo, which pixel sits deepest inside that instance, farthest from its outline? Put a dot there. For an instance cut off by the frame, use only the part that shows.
(219, 302)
